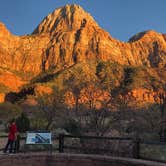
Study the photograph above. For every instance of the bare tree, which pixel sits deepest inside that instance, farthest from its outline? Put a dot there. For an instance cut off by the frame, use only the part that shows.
(51, 106)
(160, 99)
(75, 84)
(97, 117)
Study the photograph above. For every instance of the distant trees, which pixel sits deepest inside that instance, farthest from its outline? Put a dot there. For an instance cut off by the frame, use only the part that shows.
(86, 99)
(98, 122)
(161, 102)
(97, 118)
(94, 105)
(23, 123)
(8, 111)
(109, 74)
(50, 107)
(75, 84)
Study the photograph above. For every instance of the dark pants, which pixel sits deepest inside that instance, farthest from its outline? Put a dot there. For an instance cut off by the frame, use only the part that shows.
(17, 144)
(10, 145)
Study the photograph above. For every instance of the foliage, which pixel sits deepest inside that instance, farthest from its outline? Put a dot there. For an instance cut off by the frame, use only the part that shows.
(72, 126)
(50, 107)
(134, 77)
(74, 82)
(98, 122)
(9, 111)
(94, 114)
(109, 74)
(141, 77)
(23, 123)
(161, 103)
(37, 122)
(59, 131)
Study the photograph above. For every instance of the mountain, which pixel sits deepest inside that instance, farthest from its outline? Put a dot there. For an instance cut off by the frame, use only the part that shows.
(69, 37)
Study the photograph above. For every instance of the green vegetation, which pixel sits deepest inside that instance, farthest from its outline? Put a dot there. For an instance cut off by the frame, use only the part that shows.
(109, 74)
(95, 115)
(8, 111)
(23, 123)
(135, 77)
(72, 126)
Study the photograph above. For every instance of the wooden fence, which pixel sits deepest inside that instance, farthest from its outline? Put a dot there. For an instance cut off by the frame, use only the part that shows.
(114, 146)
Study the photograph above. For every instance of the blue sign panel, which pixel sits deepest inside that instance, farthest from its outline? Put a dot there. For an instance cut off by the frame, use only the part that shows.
(38, 138)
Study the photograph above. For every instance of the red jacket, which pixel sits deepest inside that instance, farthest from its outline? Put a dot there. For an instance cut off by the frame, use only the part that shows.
(12, 132)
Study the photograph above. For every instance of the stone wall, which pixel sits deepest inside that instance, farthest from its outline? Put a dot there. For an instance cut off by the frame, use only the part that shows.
(70, 160)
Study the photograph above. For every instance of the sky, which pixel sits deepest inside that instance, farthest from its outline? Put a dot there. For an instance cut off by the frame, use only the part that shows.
(121, 18)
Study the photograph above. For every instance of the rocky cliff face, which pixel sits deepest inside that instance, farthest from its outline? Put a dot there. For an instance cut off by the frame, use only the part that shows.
(76, 37)
(22, 53)
(70, 35)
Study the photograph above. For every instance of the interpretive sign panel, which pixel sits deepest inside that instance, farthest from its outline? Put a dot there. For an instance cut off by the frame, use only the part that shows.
(38, 138)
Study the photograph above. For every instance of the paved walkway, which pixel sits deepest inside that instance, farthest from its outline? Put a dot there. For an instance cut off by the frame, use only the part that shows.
(82, 157)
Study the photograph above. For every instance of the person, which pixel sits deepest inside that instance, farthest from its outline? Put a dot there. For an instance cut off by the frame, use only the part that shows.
(17, 143)
(11, 136)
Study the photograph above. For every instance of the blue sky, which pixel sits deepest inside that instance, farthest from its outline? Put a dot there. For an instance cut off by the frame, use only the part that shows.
(121, 18)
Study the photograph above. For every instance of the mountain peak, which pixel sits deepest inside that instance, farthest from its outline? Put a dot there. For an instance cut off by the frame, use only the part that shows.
(66, 18)
(151, 34)
(3, 30)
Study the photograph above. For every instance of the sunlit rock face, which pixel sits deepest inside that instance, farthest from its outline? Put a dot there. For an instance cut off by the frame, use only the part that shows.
(22, 53)
(77, 37)
(149, 47)
(68, 36)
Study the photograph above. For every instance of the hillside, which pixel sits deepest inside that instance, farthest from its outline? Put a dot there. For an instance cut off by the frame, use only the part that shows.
(69, 42)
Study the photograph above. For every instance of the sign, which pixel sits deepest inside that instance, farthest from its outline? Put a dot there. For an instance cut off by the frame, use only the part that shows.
(38, 138)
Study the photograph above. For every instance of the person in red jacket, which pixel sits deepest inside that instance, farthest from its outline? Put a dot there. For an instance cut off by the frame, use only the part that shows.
(11, 136)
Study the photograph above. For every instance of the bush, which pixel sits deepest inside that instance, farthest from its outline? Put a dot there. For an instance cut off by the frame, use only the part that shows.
(9, 111)
(72, 127)
(23, 123)
(59, 131)
(110, 74)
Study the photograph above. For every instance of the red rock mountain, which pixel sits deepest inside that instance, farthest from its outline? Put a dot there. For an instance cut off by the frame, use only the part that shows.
(68, 36)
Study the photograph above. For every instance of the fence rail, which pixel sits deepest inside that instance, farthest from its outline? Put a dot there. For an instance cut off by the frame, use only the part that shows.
(117, 146)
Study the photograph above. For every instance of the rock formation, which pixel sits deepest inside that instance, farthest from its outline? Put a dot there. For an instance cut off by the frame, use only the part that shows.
(68, 36)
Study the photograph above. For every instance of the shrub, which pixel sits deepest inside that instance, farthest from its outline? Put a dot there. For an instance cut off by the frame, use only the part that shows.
(9, 111)
(23, 123)
(72, 126)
